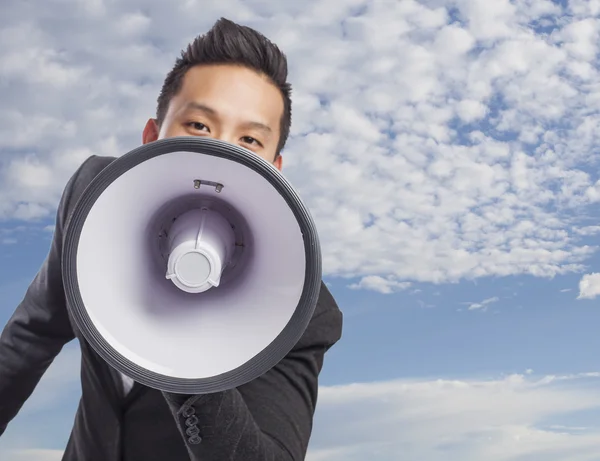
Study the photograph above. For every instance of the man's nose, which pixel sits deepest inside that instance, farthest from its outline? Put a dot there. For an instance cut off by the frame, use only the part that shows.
(227, 137)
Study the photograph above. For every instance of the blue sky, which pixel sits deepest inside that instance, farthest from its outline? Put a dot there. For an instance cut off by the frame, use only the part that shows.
(448, 152)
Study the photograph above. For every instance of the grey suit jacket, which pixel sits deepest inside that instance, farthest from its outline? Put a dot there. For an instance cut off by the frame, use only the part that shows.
(269, 418)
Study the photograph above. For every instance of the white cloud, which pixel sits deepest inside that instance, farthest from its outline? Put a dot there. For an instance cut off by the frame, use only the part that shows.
(587, 230)
(379, 284)
(483, 304)
(469, 110)
(515, 418)
(433, 141)
(589, 286)
(580, 38)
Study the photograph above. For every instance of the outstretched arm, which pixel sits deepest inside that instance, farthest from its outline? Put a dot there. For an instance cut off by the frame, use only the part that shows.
(270, 418)
(40, 325)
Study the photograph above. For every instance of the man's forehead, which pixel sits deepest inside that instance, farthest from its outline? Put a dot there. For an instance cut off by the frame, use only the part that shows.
(208, 75)
(217, 89)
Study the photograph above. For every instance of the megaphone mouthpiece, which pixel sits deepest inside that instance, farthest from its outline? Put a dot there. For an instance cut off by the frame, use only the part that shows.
(201, 243)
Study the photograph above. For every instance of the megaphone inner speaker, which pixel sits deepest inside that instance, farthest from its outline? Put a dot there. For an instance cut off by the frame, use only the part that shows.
(205, 221)
(190, 272)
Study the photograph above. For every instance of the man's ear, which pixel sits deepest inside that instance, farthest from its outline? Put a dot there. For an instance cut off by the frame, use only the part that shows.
(278, 162)
(151, 131)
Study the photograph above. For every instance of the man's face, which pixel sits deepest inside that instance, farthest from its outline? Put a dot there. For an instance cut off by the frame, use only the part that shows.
(225, 102)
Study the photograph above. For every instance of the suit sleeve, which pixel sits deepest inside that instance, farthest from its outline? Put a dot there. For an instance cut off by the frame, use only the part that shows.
(40, 325)
(270, 418)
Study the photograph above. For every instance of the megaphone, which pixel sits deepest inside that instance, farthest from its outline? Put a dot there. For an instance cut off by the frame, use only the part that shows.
(191, 265)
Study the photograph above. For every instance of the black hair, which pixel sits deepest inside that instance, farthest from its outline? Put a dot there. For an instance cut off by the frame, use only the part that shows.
(230, 43)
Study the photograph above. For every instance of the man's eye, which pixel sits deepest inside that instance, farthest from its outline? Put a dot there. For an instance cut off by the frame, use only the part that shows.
(198, 126)
(251, 140)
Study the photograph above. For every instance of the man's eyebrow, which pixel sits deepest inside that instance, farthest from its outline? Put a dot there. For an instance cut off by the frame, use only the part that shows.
(258, 126)
(193, 105)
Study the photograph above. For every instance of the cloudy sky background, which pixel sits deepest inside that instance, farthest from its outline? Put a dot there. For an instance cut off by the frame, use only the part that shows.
(448, 152)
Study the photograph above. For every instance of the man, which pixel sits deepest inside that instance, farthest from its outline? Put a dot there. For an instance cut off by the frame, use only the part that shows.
(229, 84)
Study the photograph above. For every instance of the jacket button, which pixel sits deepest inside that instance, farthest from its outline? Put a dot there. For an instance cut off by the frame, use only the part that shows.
(188, 411)
(194, 440)
(192, 431)
(191, 421)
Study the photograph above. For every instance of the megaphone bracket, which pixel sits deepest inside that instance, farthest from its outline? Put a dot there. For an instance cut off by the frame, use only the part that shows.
(199, 182)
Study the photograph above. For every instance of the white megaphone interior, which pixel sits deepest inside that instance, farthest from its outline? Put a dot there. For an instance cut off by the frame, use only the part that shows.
(122, 263)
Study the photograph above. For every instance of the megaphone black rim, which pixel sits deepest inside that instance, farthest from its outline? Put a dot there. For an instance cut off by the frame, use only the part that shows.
(268, 357)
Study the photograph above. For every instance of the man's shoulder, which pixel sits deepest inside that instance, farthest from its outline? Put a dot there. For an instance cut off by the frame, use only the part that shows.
(326, 301)
(325, 327)
(91, 167)
(81, 179)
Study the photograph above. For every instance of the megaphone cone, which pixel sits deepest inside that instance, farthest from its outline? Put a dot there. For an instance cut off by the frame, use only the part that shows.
(191, 265)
